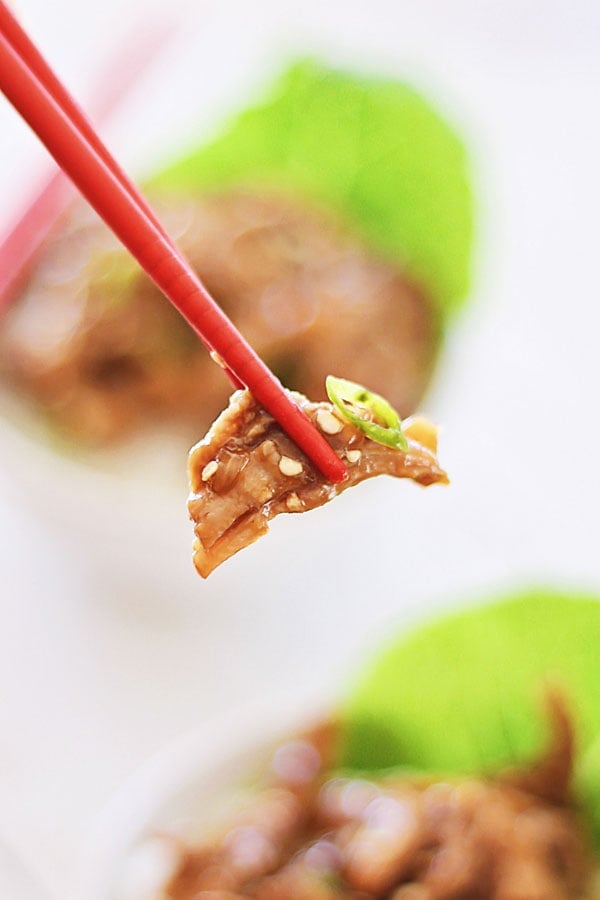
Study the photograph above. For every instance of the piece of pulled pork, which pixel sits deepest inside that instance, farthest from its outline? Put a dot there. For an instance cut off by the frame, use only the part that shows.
(247, 470)
(310, 836)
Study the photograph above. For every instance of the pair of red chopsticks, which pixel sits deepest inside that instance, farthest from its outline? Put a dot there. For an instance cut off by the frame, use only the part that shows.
(37, 94)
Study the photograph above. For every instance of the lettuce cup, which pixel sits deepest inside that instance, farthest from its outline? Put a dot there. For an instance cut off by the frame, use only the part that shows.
(460, 763)
(333, 222)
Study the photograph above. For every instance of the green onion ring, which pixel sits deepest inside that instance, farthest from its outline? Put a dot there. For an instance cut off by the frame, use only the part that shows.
(389, 433)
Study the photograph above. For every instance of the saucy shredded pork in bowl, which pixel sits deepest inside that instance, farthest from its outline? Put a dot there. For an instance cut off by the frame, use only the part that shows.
(103, 353)
(359, 806)
(312, 833)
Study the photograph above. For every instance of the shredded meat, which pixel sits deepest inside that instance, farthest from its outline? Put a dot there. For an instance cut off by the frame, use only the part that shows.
(247, 470)
(310, 836)
(103, 353)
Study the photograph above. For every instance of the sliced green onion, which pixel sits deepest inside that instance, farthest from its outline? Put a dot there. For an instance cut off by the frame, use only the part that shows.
(388, 430)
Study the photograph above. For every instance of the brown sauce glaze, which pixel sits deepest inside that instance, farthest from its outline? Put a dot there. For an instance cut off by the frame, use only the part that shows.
(247, 471)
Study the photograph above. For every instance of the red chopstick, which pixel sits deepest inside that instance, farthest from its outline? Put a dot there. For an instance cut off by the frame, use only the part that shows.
(146, 240)
(23, 238)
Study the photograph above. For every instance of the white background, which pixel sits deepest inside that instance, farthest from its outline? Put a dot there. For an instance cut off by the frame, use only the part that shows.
(109, 644)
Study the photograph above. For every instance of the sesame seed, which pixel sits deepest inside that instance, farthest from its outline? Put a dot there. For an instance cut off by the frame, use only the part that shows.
(327, 422)
(289, 466)
(353, 456)
(293, 502)
(256, 430)
(267, 448)
(209, 470)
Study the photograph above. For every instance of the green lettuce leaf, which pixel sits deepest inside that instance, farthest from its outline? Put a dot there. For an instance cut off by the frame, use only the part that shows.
(465, 694)
(373, 150)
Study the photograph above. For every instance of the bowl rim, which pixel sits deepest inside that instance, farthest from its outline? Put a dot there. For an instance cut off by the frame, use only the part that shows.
(209, 756)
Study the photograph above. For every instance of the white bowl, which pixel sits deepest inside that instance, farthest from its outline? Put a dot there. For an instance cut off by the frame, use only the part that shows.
(180, 792)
